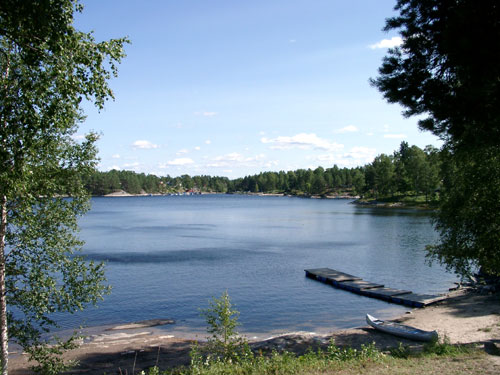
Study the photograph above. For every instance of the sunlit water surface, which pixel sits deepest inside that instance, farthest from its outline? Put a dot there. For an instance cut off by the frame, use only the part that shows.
(167, 256)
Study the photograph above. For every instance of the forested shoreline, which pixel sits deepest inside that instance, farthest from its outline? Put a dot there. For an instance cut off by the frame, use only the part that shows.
(409, 171)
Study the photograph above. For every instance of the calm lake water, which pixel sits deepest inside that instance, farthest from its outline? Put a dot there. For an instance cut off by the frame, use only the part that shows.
(167, 256)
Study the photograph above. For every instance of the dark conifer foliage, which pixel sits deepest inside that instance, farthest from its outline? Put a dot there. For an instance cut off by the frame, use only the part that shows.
(448, 71)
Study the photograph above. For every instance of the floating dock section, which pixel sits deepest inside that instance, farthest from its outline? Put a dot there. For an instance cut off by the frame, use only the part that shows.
(357, 285)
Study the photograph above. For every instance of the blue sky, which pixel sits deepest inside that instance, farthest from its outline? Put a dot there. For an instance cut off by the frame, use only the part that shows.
(234, 88)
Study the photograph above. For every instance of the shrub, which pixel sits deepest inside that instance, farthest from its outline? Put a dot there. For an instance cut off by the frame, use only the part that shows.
(224, 344)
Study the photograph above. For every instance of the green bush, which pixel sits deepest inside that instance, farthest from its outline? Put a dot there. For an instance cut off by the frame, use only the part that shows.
(224, 344)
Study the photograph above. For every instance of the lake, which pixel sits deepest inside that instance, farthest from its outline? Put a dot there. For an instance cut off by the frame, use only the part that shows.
(167, 256)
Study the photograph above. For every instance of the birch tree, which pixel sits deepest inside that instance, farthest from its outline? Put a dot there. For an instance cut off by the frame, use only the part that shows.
(48, 69)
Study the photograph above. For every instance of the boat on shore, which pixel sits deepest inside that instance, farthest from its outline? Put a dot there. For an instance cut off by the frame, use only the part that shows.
(401, 330)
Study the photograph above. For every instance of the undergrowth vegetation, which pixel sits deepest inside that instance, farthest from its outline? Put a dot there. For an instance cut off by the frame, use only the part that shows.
(248, 362)
(330, 360)
(227, 353)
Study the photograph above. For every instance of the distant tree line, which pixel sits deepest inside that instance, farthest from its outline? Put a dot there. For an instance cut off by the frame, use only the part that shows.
(409, 171)
(319, 181)
(102, 183)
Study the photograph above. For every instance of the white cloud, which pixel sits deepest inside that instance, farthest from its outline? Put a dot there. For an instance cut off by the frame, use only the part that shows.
(388, 43)
(233, 156)
(143, 144)
(208, 141)
(197, 148)
(116, 156)
(329, 158)
(182, 152)
(236, 159)
(347, 129)
(370, 134)
(365, 154)
(131, 165)
(219, 164)
(302, 141)
(271, 164)
(355, 157)
(178, 161)
(206, 114)
(395, 136)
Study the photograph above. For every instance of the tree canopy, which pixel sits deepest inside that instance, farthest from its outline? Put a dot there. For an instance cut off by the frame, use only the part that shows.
(48, 69)
(447, 70)
(468, 220)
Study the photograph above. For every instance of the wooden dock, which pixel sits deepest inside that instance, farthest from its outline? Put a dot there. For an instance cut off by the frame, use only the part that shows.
(357, 285)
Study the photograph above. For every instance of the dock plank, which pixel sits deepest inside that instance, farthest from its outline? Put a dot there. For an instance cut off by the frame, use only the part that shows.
(389, 292)
(332, 275)
(360, 284)
(357, 285)
(418, 300)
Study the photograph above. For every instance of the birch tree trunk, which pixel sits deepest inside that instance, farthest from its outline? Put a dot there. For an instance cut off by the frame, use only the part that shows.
(4, 337)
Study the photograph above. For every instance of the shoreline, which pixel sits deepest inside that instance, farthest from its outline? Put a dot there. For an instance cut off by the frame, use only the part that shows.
(464, 317)
(356, 200)
(121, 193)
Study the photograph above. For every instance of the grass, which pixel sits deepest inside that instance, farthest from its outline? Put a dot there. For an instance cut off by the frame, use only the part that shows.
(405, 200)
(434, 358)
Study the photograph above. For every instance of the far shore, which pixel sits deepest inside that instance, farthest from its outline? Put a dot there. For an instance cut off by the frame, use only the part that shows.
(465, 317)
(122, 193)
(372, 203)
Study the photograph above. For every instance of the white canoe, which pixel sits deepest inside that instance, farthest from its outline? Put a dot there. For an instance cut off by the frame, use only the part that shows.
(401, 330)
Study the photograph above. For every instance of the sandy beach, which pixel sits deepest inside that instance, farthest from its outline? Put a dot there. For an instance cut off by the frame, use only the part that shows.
(465, 317)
